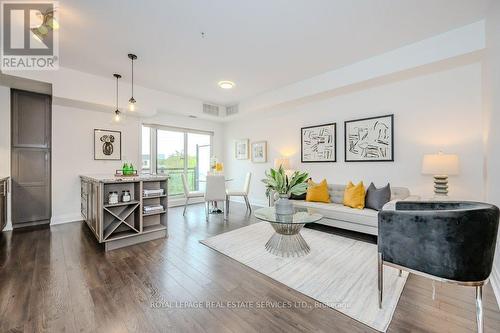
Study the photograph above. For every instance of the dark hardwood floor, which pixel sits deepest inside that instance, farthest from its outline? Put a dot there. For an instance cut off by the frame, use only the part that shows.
(59, 280)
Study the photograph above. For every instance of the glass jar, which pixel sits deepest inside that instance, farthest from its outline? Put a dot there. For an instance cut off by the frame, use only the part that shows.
(113, 198)
(126, 196)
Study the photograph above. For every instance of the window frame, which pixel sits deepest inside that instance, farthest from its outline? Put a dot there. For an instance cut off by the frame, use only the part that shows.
(153, 145)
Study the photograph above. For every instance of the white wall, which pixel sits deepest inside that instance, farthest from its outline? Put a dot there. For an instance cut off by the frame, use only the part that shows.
(461, 41)
(73, 151)
(5, 140)
(197, 124)
(100, 90)
(437, 111)
(4, 131)
(492, 121)
(73, 154)
(77, 113)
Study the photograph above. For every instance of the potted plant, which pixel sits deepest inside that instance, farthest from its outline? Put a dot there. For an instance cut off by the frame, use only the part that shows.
(279, 182)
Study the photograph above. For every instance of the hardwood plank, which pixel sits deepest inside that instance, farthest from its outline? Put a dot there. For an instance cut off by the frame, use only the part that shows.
(60, 279)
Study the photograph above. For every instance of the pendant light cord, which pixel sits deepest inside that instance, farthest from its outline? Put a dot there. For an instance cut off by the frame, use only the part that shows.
(117, 93)
(132, 58)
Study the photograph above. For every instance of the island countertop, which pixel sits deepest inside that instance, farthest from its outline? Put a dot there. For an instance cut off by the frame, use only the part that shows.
(107, 178)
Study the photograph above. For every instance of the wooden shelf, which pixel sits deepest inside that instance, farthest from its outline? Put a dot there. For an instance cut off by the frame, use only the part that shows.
(130, 226)
(121, 204)
(121, 234)
(111, 227)
(154, 213)
(153, 228)
(120, 218)
(124, 213)
(154, 196)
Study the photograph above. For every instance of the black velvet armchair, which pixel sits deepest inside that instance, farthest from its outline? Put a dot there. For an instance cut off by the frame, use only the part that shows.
(448, 241)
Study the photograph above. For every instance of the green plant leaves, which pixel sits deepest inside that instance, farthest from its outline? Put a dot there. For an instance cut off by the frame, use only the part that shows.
(278, 181)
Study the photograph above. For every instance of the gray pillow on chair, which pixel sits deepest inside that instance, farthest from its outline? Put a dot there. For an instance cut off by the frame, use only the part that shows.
(376, 198)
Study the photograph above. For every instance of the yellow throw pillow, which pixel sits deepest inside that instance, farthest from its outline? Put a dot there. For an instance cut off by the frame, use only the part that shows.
(354, 195)
(317, 192)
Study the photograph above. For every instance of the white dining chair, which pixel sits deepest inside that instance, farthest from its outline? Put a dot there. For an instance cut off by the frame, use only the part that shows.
(215, 192)
(244, 193)
(189, 194)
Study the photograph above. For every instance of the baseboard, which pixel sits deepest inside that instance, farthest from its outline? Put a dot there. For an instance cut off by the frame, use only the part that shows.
(495, 283)
(67, 218)
(8, 226)
(253, 202)
(180, 201)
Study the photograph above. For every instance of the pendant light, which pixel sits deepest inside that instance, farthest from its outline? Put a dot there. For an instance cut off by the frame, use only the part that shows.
(117, 116)
(131, 101)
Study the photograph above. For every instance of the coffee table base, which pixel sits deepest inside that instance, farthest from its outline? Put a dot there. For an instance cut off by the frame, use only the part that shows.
(287, 241)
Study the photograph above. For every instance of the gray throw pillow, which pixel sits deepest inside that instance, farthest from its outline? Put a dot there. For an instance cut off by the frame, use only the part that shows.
(376, 198)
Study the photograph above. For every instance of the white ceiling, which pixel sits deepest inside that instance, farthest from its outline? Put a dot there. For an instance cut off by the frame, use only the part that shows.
(261, 45)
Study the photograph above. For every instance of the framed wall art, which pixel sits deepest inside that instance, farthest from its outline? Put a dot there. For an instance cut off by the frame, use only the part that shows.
(107, 145)
(241, 149)
(319, 143)
(369, 139)
(259, 152)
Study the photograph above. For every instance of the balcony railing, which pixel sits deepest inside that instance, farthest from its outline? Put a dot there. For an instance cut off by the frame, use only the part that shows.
(175, 186)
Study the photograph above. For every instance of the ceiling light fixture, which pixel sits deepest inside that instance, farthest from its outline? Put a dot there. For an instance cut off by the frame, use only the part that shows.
(226, 84)
(131, 101)
(117, 117)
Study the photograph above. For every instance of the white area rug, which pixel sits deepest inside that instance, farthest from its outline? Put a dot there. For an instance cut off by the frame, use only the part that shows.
(339, 272)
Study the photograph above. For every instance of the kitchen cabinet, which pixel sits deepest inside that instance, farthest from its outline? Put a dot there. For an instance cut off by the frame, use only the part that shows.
(124, 223)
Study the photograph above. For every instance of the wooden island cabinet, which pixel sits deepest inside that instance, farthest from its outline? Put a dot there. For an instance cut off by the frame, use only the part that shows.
(124, 223)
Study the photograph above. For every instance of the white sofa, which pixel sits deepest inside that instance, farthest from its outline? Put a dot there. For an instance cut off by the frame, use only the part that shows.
(340, 216)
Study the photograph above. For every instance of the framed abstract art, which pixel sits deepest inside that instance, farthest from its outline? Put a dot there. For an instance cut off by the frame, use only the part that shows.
(319, 143)
(369, 139)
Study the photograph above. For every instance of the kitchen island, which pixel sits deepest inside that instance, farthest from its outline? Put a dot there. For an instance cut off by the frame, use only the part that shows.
(117, 222)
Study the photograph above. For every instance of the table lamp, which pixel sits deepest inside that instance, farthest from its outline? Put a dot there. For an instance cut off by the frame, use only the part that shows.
(440, 166)
(283, 162)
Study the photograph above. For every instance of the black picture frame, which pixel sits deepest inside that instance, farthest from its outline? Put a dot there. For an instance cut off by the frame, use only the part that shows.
(346, 144)
(334, 143)
(119, 133)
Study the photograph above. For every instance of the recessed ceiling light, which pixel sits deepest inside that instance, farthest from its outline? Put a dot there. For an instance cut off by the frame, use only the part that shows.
(226, 84)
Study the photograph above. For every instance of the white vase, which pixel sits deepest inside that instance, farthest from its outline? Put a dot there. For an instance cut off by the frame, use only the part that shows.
(283, 205)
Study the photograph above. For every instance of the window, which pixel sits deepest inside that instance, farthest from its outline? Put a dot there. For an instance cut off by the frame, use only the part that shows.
(176, 152)
(146, 149)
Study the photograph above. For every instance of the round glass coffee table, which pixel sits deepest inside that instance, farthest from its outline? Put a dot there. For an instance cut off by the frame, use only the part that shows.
(287, 240)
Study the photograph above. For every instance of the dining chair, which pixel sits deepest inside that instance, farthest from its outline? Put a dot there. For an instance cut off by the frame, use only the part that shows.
(189, 194)
(244, 193)
(215, 192)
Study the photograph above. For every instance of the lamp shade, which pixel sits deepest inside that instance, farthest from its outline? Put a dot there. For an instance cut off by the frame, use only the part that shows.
(440, 164)
(283, 161)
